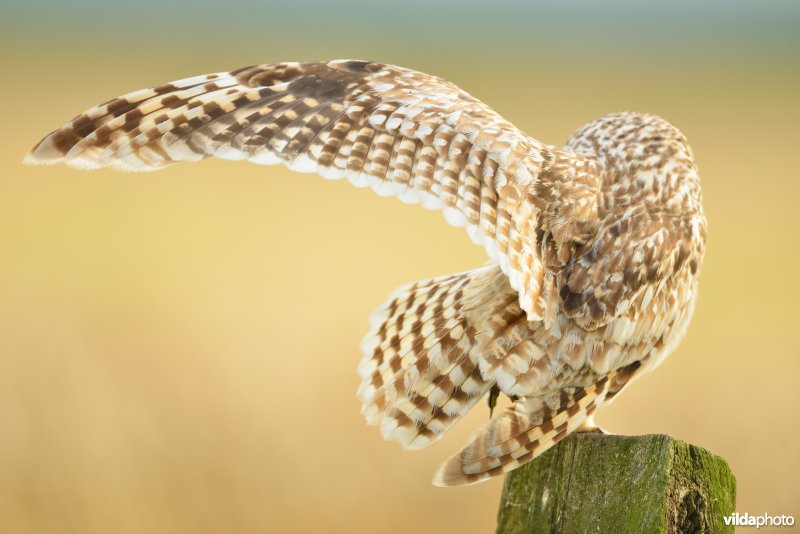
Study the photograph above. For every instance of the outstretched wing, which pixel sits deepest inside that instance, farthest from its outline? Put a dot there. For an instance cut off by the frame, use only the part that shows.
(398, 131)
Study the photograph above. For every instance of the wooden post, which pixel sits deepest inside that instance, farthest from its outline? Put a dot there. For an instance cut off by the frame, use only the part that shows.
(599, 483)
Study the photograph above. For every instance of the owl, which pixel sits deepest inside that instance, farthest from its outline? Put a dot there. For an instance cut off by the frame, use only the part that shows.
(595, 248)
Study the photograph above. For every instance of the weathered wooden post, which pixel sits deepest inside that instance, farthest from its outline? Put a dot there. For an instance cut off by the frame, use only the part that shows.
(620, 484)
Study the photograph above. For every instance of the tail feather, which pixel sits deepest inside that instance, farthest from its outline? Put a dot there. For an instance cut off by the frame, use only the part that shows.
(527, 428)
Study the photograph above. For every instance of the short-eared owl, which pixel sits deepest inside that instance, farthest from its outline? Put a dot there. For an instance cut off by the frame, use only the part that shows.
(596, 247)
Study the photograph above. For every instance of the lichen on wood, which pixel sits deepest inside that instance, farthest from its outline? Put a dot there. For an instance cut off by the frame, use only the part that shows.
(637, 484)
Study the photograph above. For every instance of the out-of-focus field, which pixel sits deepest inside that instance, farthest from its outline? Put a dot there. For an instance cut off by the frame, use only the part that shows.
(178, 349)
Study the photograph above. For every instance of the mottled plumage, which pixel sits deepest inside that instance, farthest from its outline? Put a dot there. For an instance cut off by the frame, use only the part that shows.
(596, 247)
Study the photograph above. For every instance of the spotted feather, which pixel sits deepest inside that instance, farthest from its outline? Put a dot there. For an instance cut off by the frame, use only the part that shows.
(398, 131)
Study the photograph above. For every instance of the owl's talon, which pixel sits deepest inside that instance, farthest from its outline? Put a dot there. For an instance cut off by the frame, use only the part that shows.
(589, 427)
(494, 393)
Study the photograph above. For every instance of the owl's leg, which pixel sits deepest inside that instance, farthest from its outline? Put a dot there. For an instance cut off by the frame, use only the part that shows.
(590, 426)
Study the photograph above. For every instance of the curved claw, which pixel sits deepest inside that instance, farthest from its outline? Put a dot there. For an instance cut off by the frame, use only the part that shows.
(589, 426)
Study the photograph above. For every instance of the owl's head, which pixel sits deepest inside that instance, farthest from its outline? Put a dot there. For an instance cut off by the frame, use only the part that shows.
(641, 158)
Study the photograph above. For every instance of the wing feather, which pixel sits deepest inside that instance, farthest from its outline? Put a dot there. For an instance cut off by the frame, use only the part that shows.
(400, 132)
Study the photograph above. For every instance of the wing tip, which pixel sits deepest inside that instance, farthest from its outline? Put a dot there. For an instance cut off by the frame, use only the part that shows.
(32, 159)
(45, 152)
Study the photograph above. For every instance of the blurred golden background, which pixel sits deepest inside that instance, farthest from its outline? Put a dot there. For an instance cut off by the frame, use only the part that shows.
(178, 349)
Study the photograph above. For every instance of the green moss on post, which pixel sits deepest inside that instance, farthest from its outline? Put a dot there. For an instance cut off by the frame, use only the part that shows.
(598, 483)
